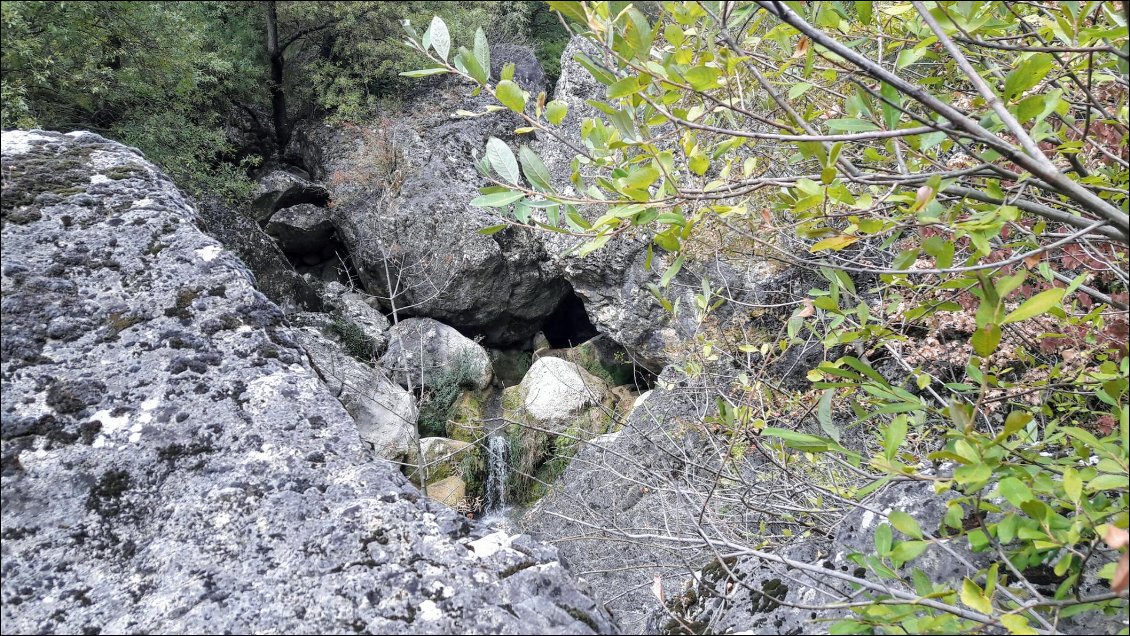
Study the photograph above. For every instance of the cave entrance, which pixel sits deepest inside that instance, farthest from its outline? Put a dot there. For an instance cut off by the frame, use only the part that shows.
(568, 325)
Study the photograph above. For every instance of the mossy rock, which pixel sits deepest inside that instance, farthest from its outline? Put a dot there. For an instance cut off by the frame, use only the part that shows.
(447, 457)
(601, 357)
(537, 457)
(466, 420)
(449, 492)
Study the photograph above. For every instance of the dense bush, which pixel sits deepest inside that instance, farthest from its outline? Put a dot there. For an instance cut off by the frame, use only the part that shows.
(955, 173)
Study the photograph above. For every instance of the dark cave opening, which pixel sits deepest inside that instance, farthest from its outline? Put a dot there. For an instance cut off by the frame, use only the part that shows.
(569, 324)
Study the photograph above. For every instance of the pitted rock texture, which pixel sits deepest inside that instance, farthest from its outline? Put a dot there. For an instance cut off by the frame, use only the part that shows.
(171, 463)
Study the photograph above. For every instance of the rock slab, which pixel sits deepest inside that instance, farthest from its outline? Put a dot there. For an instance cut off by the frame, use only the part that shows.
(171, 462)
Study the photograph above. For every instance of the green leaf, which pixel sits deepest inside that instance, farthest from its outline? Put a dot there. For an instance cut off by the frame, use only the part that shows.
(671, 271)
(482, 50)
(1014, 491)
(799, 89)
(556, 111)
(905, 524)
(986, 339)
(702, 78)
(1035, 305)
(593, 245)
(502, 160)
(883, 539)
(850, 125)
(974, 598)
(535, 171)
(824, 414)
(835, 243)
(487, 231)
(628, 86)
(908, 550)
(1108, 482)
(424, 72)
(894, 436)
(496, 200)
(511, 96)
(441, 39)
(572, 10)
(1027, 74)
(1072, 483)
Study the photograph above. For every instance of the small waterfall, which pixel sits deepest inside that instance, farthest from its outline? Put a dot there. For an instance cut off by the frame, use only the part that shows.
(498, 468)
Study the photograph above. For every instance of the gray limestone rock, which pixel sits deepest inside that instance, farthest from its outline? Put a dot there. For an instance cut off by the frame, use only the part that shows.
(301, 229)
(421, 351)
(171, 461)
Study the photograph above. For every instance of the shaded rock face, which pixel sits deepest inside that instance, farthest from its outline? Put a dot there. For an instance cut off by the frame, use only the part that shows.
(171, 462)
(273, 274)
(282, 189)
(301, 229)
(646, 479)
(401, 192)
(528, 72)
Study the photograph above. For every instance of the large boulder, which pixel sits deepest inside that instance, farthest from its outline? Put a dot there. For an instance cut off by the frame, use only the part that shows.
(301, 229)
(555, 409)
(425, 353)
(402, 191)
(280, 189)
(274, 275)
(651, 478)
(555, 392)
(385, 413)
(171, 461)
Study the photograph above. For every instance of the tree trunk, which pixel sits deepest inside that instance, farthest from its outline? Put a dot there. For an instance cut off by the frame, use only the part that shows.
(278, 97)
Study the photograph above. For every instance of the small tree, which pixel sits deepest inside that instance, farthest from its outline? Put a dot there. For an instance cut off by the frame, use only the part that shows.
(947, 168)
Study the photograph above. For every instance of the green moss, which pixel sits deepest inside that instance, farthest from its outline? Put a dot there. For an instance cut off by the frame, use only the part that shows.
(437, 403)
(354, 339)
(465, 423)
(123, 172)
(184, 300)
(119, 321)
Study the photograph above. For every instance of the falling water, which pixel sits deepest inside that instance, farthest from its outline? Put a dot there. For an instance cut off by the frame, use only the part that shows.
(498, 467)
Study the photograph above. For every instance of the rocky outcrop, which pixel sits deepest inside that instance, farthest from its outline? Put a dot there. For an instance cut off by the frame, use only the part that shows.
(402, 192)
(626, 506)
(282, 189)
(302, 230)
(384, 413)
(423, 353)
(172, 463)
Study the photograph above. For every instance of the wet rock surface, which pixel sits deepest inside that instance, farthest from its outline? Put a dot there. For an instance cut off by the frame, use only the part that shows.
(171, 461)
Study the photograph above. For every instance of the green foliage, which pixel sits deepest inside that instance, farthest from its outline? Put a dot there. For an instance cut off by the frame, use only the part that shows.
(440, 396)
(357, 343)
(154, 75)
(938, 182)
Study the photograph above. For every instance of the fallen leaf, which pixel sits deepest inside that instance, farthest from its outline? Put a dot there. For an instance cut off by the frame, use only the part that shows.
(809, 309)
(1118, 538)
(657, 587)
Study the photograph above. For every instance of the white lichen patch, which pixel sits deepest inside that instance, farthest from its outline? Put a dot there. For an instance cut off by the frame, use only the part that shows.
(95, 179)
(489, 544)
(209, 252)
(17, 142)
(429, 611)
(110, 424)
(142, 203)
